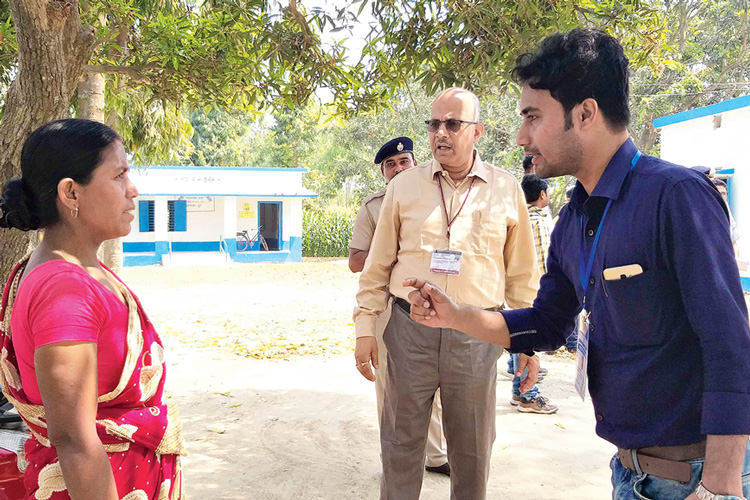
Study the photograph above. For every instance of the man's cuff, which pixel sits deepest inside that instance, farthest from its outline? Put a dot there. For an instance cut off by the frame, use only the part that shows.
(725, 413)
(522, 336)
(364, 325)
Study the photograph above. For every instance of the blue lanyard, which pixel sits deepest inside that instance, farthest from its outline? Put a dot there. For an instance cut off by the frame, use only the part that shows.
(582, 261)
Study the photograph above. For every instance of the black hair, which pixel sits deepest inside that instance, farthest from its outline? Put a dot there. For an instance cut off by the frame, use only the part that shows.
(61, 149)
(575, 66)
(718, 182)
(532, 187)
(527, 165)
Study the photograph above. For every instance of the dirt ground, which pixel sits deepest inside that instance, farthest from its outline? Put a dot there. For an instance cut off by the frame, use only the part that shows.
(260, 360)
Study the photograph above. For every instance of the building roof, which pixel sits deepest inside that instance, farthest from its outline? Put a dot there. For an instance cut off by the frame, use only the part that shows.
(221, 181)
(714, 109)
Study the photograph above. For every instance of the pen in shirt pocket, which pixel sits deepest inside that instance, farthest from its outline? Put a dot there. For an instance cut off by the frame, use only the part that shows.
(478, 217)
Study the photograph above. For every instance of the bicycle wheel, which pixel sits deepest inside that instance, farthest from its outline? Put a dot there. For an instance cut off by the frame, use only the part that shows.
(242, 242)
(263, 243)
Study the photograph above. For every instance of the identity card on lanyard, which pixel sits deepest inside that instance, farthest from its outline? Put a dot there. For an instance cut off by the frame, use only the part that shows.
(447, 261)
(584, 269)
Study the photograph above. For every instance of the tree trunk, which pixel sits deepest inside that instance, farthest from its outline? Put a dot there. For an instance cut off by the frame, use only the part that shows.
(91, 104)
(53, 48)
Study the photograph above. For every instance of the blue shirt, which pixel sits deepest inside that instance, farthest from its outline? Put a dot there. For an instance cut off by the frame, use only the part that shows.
(669, 349)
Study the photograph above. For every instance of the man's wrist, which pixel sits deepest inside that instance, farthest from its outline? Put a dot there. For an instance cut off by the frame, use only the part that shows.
(704, 493)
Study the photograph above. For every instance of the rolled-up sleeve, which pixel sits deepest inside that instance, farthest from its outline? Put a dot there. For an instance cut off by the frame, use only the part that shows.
(699, 247)
(373, 295)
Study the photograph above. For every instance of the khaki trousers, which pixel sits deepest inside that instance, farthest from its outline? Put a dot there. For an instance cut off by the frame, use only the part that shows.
(436, 448)
(421, 360)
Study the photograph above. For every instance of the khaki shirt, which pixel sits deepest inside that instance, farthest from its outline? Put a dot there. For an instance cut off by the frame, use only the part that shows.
(493, 233)
(364, 223)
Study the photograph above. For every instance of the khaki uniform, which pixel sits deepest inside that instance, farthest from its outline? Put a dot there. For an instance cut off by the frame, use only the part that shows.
(364, 228)
(498, 267)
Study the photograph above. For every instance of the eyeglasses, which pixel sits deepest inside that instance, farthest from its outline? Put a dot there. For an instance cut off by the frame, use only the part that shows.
(452, 125)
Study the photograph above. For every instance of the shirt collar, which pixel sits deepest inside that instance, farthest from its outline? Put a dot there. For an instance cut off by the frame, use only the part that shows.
(478, 169)
(533, 209)
(612, 179)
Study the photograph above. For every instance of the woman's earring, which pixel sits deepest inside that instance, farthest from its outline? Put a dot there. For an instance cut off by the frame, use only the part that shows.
(74, 213)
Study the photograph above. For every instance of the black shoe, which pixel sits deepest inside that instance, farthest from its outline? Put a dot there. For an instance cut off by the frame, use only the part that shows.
(440, 469)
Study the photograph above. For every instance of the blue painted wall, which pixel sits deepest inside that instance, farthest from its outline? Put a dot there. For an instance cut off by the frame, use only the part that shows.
(291, 251)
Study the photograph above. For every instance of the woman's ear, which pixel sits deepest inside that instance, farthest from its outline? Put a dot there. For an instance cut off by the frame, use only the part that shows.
(67, 193)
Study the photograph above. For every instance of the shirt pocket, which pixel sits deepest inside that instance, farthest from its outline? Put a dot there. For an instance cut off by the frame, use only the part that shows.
(488, 233)
(638, 309)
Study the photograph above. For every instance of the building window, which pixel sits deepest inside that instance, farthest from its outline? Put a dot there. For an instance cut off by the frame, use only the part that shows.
(146, 216)
(177, 215)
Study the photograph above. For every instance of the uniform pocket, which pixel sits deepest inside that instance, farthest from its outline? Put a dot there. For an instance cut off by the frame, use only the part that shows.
(638, 310)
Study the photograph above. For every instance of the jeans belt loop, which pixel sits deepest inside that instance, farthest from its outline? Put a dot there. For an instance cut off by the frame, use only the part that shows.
(634, 454)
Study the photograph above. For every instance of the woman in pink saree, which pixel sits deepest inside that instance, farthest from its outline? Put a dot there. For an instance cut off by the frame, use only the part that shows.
(79, 358)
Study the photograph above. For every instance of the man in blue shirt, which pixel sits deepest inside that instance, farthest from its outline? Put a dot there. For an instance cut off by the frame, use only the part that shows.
(642, 254)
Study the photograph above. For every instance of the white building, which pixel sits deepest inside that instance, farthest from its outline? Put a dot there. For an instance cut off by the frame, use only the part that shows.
(196, 214)
(716, 136)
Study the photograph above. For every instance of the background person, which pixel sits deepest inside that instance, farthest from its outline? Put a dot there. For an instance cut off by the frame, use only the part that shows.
(82, 364)
(537, 199)
(394, 157)
(463, 222)
(643, 249)
(734, 232)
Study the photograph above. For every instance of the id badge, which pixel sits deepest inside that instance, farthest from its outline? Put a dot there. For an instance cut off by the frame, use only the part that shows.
(582, 354)
(445, 262)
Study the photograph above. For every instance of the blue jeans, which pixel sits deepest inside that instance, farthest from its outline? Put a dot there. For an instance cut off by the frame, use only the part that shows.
(572, 341)
(629, 485)
(527, 396)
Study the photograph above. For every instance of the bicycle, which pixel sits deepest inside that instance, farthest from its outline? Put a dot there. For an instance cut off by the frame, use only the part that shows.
(244, 241)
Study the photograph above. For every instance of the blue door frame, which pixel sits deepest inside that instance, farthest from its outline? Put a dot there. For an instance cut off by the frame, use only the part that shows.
(280, 242)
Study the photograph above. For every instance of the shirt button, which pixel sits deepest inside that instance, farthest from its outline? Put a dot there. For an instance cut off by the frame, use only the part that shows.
(591, 281)
(599, 417)
(590, 232)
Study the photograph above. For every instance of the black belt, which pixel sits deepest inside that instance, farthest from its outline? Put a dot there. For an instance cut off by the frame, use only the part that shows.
(403, 304)
(406, 305)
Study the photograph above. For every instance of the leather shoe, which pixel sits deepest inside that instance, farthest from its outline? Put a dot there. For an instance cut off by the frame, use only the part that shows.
(440, 469)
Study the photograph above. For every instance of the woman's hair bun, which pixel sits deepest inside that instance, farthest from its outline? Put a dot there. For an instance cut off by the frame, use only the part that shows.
(15, 211)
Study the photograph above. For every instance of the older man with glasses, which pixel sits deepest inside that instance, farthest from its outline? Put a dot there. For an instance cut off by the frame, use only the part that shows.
(463, 224)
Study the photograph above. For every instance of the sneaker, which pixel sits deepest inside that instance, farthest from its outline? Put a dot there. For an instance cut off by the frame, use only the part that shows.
(538, 405)
(543, 372)
(515, 400)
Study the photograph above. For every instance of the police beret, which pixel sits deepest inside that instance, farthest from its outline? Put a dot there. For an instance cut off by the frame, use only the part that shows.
(394, 147)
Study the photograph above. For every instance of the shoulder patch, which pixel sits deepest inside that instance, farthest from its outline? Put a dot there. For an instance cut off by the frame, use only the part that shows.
(372, 197)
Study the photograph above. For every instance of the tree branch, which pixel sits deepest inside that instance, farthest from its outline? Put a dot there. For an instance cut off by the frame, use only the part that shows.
(132, 72)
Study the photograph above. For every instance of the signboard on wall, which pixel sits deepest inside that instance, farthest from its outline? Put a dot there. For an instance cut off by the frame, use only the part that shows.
(247, 211)
(200, 203)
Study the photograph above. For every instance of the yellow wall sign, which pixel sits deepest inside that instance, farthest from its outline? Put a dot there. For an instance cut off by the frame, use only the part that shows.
(247, 214)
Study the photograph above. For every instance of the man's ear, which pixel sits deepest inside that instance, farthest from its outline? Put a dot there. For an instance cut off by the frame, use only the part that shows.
(587, 112)
(67, 193)
(478, 131)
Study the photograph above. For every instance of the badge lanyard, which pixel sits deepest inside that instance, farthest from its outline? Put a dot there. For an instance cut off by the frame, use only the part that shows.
(584, 268)
(445, 207)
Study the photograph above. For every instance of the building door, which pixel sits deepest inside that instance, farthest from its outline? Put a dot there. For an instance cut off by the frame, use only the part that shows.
(269, 218)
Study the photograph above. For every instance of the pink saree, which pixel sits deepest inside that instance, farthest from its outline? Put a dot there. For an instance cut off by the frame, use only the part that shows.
(141, 434)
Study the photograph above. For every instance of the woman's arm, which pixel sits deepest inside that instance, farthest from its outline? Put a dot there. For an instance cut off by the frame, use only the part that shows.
(67, 376)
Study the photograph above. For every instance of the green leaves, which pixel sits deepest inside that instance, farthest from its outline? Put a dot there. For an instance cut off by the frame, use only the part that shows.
(327, 233)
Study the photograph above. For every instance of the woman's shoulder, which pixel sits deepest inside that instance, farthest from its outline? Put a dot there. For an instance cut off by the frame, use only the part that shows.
(59, 281)
(56, 275)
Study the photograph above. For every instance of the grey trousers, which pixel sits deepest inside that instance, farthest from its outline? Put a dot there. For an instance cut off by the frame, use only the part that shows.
(436, 446)
(421, 360)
